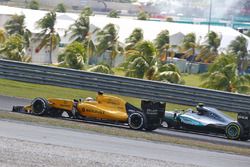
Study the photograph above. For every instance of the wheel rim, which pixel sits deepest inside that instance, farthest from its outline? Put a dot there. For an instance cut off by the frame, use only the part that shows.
(233, 131)
(38, 106)
(136, 121)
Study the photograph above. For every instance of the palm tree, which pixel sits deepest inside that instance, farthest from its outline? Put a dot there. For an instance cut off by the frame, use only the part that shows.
(60, 8)
(80, 29)
(142, 62)
(189, 45)
(3, 36)
(113, 14)
(87, 11)
(16, 25)
(107, 41)
(222, 75)
(50, 38)
(166, 73)
(134, 38)
(13, 49)
(209, 51)
(101, 68)
(34, 5)
(239, 48)
(162, 44)
(142, 15)
(74, 56)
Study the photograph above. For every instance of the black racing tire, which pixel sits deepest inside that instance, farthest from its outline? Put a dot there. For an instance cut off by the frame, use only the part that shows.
(244, 138)
(151, 128)
(55, 113)
(136, 121)
(177, 125)
(233, 131)
(39, 106)
(169, 124)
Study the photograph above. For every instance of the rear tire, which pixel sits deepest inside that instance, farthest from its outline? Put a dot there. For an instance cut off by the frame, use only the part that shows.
(136, 121)
(39, 106)
(151, 128)
(233, 131)
(244, 138)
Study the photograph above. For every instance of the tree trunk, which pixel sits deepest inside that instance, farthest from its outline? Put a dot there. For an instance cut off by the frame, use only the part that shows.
(50, 50)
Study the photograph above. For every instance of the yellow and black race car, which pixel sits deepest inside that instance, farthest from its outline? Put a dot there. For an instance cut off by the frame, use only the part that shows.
(103, 108)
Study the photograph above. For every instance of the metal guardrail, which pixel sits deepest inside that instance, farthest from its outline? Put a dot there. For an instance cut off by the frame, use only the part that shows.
(143, 89)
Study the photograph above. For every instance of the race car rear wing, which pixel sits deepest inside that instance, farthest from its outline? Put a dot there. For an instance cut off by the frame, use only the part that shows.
(244, 120)
(153, 109)
(154, 112)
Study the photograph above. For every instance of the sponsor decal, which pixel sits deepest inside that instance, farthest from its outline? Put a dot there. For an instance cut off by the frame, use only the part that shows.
(190, 121)
(65, 104)
(92, 111)
(243, 117)
(152, 112)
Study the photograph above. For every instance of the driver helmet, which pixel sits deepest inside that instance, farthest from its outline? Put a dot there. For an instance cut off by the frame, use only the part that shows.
(199, 108)
(89, 99)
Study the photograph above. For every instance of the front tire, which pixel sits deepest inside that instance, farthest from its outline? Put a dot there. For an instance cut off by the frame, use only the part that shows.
(39, 106)
(233, 131)
(136, 121)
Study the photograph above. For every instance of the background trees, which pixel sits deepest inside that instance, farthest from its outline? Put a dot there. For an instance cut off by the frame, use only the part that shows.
(107, 41)
(16, 25)
(34, 5)
(80, 29)
(134, 38)
(74, 56)
(162, 44)
(113, 14)
(209, 50)
(101, 68)
(60, 8)
(13, 49)
(3, 36)
(189, 45)
(143, 59)
(223, 75)
(142, 62)
(142, 15)
(48, 36)
(239, 48)
(87, 11)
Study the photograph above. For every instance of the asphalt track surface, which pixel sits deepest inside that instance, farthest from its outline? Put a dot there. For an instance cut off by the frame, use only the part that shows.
(105, 144)
(7, 102)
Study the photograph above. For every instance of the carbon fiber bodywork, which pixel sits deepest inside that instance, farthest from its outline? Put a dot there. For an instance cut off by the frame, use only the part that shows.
(210, 120)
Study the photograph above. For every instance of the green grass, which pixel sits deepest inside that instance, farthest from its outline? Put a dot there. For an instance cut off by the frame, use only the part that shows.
(119, 71)
(192, 79)
(30, 91)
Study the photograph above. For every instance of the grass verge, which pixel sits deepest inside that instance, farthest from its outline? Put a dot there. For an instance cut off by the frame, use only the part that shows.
(30, 91)
(123, 132)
